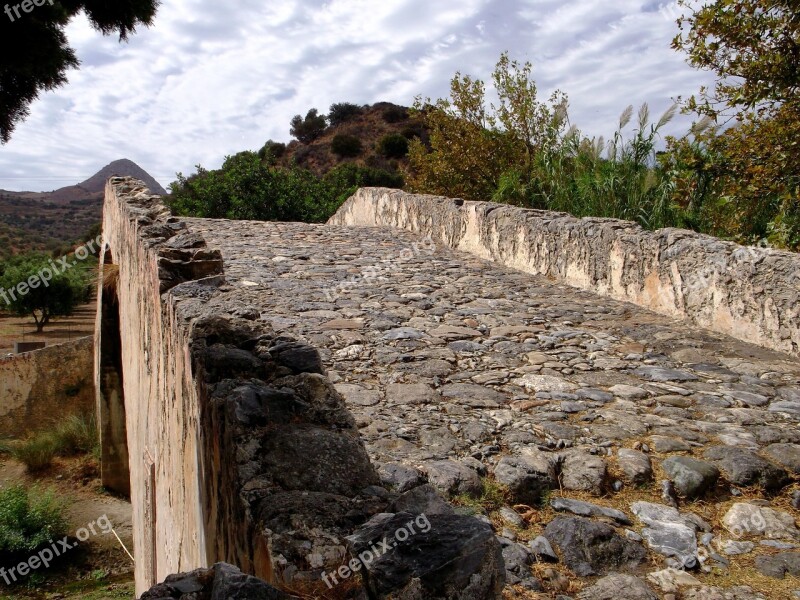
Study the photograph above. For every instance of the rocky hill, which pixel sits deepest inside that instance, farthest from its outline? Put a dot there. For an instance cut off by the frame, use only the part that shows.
(370, 126)
(50, 221)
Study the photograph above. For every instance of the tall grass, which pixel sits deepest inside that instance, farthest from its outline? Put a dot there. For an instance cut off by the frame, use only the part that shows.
(77, 434)
(591, 177)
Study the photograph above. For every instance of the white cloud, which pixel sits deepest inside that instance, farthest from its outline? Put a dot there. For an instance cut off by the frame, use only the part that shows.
(210, 79)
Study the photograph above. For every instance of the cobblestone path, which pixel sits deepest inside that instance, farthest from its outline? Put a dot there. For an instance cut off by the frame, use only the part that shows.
(607, 444)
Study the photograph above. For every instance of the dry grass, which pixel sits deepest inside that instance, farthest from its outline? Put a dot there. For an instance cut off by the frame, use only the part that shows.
(110, 278)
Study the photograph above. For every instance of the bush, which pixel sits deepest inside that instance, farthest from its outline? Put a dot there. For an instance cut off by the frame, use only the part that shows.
(308, 129)
(395, 114)
(77, 434)
(246, 188)
(345, 179)
(393, 145)
(29, 519)
(272, 151)
(36, 453)
(350, 175)
(74, 435)
(346, 146)
(343, 112)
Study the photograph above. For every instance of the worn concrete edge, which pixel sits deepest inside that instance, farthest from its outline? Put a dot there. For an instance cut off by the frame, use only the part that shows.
(752, 294)
(233, 531)
(76, 342)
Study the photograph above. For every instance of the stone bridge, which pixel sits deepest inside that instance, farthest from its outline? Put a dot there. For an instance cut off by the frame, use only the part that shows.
(587, 396)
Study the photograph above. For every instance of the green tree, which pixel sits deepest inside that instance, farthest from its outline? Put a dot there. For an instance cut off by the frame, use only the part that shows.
(753, 47)
(308, 129)
(35, 55)
(35, 285)
(346, 146)
(248, 188)
(471, 144)
(343, 112)
(272, 151)
(393, 145)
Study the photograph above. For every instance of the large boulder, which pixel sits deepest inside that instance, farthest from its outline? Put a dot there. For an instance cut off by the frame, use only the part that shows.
(436, 557)
(527, 477)
(220, 582)
(591, 548)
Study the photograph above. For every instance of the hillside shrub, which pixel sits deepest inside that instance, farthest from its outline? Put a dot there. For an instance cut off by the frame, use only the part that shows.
(345, 179)
(393, 145)
(343, 112)
(394, 114)
(36, 453)
(272, 151)
(346, 146)
(29, 519)
(307, 129)
(247, 188)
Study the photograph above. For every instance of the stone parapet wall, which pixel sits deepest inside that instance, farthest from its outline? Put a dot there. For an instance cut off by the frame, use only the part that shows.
(154, 252)
(239, 447)
(752, 294)
(39, 388)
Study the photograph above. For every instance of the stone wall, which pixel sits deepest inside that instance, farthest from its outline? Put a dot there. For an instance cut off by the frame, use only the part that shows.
(238, 447)
(39, 388)
(152, 253)
(752, 294)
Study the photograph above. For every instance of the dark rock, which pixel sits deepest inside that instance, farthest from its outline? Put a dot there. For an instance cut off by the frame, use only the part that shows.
(590, 548)
(779, 565)
(220, 582)
(542, 550)
(452, 477)
(787, 455)
(454, 556)
(527, 477)
(422, 500)
(400, 477)
(586, 509)
(517, 559)
(635, 466)
(583, 472)
(298, 357)
(230, 583)
(691, 477)
(225, 361)
(744, 467)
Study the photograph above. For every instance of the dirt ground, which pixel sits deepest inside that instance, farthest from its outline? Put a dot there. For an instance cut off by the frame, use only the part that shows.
(100, 567)
(61, 329)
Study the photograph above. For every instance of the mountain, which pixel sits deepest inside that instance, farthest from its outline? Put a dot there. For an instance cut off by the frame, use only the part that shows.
(122, 167)
(54, 221)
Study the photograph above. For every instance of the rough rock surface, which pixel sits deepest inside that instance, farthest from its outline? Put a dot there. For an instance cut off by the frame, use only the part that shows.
(591, 548)
(440, 355)
(745, 292)
(220, 582)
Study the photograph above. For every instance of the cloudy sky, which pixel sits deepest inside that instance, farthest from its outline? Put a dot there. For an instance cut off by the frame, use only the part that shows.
(212, 78)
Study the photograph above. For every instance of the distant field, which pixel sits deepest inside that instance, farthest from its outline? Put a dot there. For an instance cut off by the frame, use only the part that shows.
(23, 329)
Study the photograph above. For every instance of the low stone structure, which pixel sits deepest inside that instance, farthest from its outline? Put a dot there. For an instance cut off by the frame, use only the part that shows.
(238, 447)
(38, 388)
(752, 294)
(317, 387)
